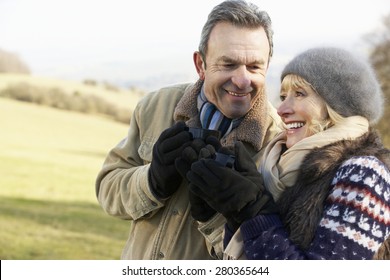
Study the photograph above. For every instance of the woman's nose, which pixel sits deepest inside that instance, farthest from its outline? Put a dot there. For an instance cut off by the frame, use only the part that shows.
(285, 108)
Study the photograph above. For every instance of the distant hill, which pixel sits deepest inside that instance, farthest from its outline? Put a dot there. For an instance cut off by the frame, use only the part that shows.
(120, 97)
(87, 97)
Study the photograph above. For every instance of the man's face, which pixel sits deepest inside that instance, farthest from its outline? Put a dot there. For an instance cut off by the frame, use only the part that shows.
(235, 68)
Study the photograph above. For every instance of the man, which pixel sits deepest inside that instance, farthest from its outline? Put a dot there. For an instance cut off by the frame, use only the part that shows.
(140, 181)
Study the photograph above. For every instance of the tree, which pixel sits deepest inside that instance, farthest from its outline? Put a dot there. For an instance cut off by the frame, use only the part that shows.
(11, 63)
(380, 59)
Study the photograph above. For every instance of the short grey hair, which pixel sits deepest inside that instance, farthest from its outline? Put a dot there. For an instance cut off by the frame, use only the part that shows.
(239, 13)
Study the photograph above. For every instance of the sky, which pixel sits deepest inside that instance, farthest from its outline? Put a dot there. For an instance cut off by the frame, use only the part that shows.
(151, 42)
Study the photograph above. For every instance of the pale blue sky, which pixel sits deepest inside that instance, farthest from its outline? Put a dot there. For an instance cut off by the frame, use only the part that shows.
(134, 40)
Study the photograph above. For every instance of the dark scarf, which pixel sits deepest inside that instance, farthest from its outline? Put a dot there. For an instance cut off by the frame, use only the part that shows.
(211, 118)
(302, 205)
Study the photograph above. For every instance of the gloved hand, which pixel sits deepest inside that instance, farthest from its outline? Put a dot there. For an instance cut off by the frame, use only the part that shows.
(164, 179)
(238, 194)
(198, 149)
(200, 210)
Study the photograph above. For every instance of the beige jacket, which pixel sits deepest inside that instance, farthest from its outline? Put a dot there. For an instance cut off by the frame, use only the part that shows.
(165, 229)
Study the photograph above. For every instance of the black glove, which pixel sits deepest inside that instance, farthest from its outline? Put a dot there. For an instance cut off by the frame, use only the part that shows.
(163, 177)
(198, 149)
(238, 194)
(200, 210)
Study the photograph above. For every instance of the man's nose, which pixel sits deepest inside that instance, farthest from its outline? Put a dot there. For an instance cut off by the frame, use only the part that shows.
(241, 77)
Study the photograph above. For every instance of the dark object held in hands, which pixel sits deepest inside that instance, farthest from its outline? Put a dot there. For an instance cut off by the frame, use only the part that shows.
(225, 160)
(203, 133)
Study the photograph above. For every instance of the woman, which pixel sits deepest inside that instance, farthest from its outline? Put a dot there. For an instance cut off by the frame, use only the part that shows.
(328, 171)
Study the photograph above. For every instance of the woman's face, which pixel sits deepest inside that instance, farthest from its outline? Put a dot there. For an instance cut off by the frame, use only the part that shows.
(300, 108)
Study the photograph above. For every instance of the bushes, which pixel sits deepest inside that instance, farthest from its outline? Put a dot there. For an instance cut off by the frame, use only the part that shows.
(55, 97)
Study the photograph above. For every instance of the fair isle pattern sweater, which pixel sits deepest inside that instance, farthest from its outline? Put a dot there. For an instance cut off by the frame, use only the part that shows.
(354, 223)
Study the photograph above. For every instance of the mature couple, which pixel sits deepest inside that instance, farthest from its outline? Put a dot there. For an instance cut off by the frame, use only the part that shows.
(309, 180)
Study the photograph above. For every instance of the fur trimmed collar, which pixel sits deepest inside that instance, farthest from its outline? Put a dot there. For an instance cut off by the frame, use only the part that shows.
(302, 205)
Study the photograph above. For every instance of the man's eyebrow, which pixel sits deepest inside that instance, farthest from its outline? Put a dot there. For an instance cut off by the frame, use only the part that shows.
(227, 59)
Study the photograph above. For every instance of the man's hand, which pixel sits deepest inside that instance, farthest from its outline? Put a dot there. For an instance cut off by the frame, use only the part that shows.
(163, 177)
(198, 149)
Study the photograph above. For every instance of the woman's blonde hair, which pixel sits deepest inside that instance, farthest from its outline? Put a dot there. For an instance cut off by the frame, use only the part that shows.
(294, 82)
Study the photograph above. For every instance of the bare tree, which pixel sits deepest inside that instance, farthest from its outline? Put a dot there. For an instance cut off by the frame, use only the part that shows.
(11, 63)
(380, 59)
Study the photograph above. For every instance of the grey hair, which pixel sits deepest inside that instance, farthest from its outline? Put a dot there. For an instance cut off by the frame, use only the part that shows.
(239, 13)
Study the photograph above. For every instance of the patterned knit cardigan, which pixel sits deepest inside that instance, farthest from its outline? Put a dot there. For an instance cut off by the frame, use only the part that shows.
(338, 209)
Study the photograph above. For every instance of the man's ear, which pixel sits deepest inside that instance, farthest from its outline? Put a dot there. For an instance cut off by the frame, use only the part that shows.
(199, 65)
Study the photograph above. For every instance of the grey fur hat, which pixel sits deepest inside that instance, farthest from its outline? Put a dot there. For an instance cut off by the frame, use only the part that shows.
(347, 84)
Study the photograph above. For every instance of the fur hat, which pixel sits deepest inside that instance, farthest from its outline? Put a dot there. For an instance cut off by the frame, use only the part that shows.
(346, 83)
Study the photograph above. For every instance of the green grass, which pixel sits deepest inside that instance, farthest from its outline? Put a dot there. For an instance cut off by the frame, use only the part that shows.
(49, 160)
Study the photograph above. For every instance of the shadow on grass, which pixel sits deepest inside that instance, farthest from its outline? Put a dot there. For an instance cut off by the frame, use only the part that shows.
(82, 217)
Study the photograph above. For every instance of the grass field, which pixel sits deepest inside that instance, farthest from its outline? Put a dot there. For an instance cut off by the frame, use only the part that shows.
(49, 160)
